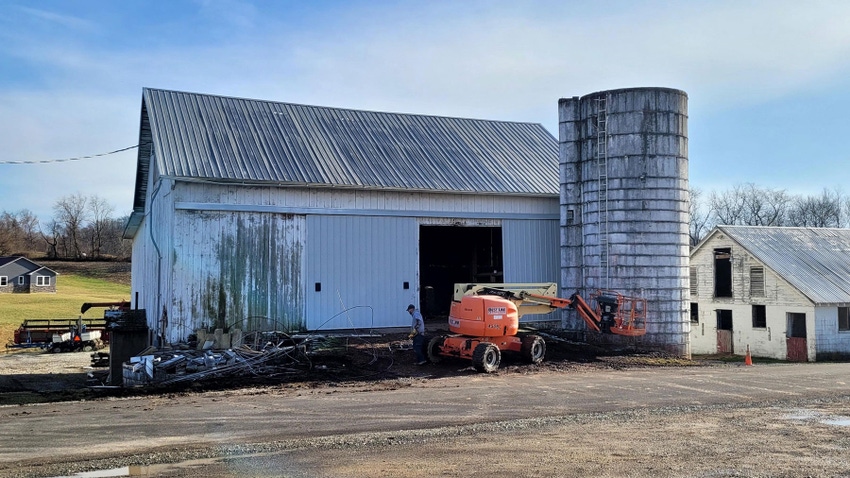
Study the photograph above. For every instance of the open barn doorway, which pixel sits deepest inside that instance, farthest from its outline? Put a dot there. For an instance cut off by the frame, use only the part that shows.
(451, 254)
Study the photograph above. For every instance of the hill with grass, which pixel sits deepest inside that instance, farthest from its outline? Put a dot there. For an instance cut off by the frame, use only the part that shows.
(78, 282)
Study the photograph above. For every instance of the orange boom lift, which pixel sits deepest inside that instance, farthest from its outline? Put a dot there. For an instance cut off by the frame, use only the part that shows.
(484, 321)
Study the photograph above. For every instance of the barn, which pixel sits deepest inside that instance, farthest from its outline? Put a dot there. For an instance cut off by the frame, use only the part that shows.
(260, 214)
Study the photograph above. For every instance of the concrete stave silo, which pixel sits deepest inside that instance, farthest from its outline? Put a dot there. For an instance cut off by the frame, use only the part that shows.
(624, 205)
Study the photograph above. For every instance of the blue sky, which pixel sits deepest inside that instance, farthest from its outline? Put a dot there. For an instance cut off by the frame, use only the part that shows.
(768, 81)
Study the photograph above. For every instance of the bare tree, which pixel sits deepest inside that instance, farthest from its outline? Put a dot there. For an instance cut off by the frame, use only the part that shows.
(9, 234)
(750, 205)
(816, 211)
(71, 213)
(728, 207)
(52, 237)
(18, 233)
(30, 236)
(700, 220)
(114, 242)
(100, 212)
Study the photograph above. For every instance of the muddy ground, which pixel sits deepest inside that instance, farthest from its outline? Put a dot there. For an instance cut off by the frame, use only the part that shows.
(34, 376)
(364, 410)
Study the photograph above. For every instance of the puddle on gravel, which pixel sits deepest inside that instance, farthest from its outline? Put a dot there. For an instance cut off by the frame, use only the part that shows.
(812, 415)
(140, 470)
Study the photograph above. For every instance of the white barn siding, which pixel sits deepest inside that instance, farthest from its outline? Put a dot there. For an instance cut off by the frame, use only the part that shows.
(255, 253)
(208, 197)
(531, 253)
(238, 269)
(360, 264)
(151, 258)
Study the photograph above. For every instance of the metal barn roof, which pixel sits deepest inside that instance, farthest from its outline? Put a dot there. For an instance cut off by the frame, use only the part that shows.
(207, 137)
(814, 260)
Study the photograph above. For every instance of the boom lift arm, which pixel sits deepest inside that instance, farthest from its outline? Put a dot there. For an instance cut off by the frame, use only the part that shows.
(613, 312)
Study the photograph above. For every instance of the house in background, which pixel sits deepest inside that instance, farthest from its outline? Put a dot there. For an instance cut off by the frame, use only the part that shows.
(784, 292)
(19, 274)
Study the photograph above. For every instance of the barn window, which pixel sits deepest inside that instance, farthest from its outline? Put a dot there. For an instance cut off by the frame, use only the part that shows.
(694, 283)
(42, 280)
(694, 312)
(844, 318)
(757, 281)
(4, 280)
(759, 317)
(723, 272)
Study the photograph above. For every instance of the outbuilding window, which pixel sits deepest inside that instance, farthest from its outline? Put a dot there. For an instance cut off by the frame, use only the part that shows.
(759, 317)
(42, 280)
(844, 318)
(757, 281)
(4, 280)
(723, 272)
(694, 281)
(21, 280)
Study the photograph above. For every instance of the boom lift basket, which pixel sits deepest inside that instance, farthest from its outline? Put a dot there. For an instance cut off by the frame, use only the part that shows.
(624, 315)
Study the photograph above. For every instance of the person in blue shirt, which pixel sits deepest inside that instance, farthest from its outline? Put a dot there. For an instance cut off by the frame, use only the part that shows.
(417, 333)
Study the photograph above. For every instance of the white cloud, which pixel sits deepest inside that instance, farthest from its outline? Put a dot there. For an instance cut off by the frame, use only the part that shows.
(499, 60)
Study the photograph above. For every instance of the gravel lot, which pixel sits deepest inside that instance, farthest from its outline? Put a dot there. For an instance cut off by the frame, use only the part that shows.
(612, 416)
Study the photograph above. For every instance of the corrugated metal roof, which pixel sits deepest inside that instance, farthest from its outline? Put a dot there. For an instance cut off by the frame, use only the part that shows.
(208, 137)
(814, 260)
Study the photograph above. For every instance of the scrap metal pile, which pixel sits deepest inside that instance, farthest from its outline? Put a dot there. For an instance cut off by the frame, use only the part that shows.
(277, 354)
(265, 354)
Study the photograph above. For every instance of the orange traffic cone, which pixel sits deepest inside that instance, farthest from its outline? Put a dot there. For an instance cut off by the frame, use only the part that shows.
(748, 360)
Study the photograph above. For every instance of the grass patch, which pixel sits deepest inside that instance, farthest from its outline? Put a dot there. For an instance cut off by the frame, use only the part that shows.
(71, 292)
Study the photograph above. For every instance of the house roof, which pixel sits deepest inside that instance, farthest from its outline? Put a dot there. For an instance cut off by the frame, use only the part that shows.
(816, 261)
(33, 267)
(223, 139)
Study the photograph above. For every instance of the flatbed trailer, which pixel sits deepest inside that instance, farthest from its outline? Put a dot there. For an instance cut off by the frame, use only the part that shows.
(40, 332)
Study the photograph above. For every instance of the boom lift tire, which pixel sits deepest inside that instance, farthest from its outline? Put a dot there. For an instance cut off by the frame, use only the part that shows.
(486, 357)
(432, 350)
(533, 349)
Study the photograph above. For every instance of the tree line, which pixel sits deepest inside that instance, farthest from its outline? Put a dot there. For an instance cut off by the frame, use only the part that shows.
(82, 227)
(751, 205)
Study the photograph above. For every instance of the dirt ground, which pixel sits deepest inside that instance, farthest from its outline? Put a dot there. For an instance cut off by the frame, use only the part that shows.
(585, 411)
(33, 376)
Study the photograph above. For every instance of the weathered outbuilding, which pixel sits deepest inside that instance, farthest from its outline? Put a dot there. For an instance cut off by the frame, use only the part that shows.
(297, 217)
(784, 292)
(21, 275)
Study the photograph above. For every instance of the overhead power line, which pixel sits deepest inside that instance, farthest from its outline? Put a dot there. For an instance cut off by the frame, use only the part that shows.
(45, 161)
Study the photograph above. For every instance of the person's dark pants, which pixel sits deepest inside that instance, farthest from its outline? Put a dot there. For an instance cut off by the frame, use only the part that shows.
(419, 347)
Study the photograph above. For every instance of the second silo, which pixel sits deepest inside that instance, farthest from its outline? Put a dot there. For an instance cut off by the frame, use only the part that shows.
(624, 205)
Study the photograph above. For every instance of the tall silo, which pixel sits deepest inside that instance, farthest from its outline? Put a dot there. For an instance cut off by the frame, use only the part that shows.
(624, 206)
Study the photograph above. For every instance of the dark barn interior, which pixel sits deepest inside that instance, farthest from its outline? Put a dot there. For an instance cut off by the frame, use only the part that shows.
(452, 254)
